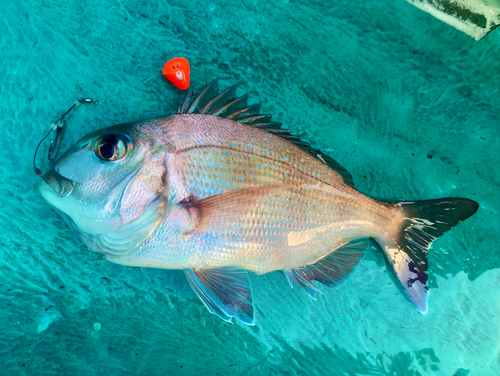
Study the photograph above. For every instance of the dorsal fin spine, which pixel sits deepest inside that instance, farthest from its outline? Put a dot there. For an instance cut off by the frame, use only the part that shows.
(228, 94)
(240, 101)
(206, 92)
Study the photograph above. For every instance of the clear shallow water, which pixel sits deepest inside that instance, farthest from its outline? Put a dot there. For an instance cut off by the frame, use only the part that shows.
(380, 87)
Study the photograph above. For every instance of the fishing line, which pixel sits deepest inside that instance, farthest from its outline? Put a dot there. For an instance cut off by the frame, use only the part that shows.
(60, 127)
(149, 79)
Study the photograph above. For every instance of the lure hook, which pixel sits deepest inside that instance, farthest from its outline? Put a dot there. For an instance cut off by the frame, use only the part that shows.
(59, 126)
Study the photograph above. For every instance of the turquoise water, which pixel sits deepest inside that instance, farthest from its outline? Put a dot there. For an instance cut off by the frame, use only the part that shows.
(407, 104)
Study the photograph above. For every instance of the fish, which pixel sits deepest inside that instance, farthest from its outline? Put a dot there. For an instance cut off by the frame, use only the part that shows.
(219, 190)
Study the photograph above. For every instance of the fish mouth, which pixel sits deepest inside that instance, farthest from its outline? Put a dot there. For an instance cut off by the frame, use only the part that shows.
(58, 183)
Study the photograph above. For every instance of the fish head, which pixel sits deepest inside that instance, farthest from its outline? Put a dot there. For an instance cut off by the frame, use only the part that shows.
(105, 182)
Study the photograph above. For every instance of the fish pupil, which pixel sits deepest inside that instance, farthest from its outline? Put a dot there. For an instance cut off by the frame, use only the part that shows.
(107, 151)
(111, 147)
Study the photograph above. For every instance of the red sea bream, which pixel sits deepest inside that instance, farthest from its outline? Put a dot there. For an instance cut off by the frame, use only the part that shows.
(218, 190)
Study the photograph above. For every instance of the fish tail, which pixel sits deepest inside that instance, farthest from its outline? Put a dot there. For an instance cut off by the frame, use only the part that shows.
(422, 223)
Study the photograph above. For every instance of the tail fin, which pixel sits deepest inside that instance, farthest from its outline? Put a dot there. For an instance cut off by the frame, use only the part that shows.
(423, 222)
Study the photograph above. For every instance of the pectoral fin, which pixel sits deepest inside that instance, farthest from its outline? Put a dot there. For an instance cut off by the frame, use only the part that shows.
(226, 292)
(219, 212)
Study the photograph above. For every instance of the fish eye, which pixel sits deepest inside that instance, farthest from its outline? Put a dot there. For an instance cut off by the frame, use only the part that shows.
(110, 147)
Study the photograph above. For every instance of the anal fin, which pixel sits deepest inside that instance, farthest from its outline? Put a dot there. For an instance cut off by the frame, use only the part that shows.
(226, 292)
(296, 277)
(331, 270)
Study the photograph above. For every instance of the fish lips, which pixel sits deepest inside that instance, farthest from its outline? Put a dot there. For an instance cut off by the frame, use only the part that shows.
(59, 184)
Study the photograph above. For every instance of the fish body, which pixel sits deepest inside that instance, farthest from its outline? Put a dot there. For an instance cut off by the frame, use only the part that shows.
(226, 191)
(305, 210)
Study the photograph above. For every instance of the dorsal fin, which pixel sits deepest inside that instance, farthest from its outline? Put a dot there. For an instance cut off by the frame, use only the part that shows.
(226, 104)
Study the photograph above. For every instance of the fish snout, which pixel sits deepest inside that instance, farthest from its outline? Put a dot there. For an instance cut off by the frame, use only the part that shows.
(58, 183)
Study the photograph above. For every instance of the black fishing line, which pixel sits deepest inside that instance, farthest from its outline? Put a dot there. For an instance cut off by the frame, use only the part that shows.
(60, 127)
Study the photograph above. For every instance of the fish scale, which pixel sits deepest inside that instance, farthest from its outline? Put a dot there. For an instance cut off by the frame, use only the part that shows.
(277, 160)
